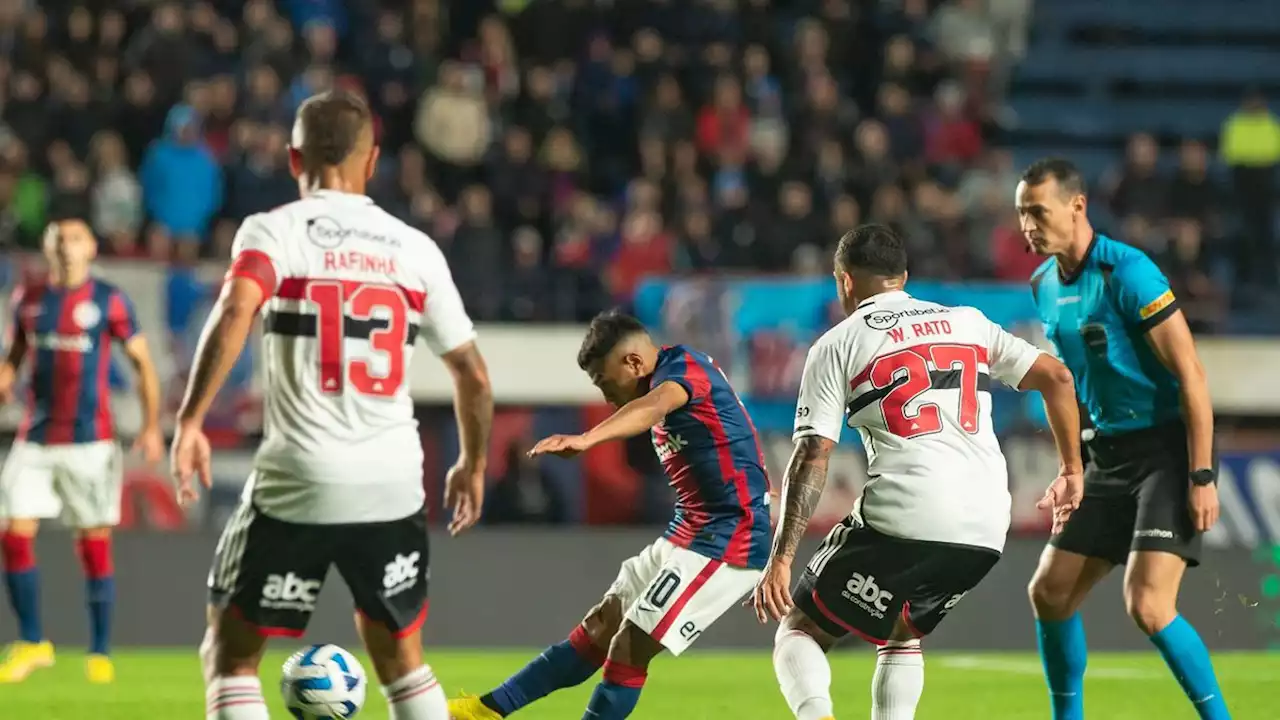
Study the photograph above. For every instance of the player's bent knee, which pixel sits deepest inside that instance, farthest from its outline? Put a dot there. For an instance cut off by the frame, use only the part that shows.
(631, 645)
(797, 621)
(230, 646)
(603, 622)
(1150, 609)
(22, 527)
(95, 533)
(394, 655)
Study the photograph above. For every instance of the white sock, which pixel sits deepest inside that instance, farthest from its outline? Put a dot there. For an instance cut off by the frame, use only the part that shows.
(803, 674)
(237, 697)
(417, 696)
(899, 681)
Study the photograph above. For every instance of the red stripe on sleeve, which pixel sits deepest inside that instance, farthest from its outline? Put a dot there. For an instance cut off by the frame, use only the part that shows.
(255, 266)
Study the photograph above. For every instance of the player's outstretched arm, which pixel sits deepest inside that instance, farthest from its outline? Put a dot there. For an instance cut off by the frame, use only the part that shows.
(637, 416)
(1048, 376)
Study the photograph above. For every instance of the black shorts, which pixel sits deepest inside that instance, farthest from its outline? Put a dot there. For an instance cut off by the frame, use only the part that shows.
(861, 581)
(1135, 498)
(270, 572)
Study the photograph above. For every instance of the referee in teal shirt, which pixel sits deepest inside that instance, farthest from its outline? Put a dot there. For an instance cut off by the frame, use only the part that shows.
(1150, 490)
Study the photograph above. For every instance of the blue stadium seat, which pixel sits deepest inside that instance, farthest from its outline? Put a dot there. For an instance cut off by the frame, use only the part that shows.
(1118, 117)
(1196, 16)
(1237, 65)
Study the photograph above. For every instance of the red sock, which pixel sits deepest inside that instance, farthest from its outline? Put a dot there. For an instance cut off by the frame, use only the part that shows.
(19, 552)
(629, 676)
(95, 557)
(580, 641)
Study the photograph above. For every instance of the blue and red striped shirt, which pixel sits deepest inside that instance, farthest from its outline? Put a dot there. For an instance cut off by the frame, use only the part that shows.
(68, 333)
(713, 458)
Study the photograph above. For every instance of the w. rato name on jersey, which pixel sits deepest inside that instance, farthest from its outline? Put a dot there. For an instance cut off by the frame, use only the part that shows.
(712, 457)
(914, 379)
(69, 332)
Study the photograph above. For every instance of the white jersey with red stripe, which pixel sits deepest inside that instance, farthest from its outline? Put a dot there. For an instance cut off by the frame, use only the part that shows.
(348, 290)
(913, 378)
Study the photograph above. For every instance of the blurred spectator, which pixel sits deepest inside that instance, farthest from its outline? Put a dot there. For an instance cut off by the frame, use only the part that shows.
(1193, 193)
(116, 196)
(182, 183)
(453, 125)
(1187, 266)
(476, 254)
(1250, 145)
(1136, 187)
(619, 139)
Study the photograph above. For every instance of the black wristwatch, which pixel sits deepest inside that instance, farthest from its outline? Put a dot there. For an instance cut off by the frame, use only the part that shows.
(1201, 478)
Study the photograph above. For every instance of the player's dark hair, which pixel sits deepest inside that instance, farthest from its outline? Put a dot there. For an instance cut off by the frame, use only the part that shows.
(331, 126)
(605, 332)
(874, 249)
(1064, 171)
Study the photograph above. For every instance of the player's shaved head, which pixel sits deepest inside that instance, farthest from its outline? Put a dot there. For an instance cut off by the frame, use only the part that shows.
(618, 354)
(333, 134)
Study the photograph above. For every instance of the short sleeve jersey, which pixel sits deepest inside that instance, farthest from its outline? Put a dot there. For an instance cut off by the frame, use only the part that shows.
(1097, 318)
(348, 290)
(914, 379)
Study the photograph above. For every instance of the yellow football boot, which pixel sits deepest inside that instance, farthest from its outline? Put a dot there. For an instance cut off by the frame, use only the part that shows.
(99, 669)
(469, 707)
(24, 658)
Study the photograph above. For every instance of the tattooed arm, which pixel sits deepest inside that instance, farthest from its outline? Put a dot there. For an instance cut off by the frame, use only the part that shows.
(801, 490)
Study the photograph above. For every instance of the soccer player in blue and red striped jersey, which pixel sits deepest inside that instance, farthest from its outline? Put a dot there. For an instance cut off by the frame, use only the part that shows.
(713, 551)
(65, 461)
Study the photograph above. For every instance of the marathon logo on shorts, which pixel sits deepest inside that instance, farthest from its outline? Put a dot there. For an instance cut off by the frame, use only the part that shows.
(290, 592)
(1161, 534)
(863, 592)
(400, 574)
(1155, 306)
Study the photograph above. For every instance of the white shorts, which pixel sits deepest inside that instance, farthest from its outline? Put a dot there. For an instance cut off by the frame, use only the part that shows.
(674, 594)
(80, 482)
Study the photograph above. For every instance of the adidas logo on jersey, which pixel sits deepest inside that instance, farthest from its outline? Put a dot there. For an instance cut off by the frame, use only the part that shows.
(863, 592)
(400, 574)
(290, 592)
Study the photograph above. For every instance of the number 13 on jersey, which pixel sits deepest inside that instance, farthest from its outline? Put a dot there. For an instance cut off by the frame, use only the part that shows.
(377, 313)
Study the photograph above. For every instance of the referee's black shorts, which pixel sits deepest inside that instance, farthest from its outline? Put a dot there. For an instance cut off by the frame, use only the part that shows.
(1135, 498)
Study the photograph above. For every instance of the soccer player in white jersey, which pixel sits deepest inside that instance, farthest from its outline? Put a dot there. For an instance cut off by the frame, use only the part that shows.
(343, 289)
(913, 377)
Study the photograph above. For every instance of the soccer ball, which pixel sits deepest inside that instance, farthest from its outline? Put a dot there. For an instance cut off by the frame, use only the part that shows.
(323, 682)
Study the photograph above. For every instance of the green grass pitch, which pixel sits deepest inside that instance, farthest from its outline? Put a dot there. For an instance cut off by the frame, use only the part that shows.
(166, 684)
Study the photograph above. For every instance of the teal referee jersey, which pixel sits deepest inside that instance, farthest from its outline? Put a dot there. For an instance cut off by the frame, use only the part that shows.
(1097, 317)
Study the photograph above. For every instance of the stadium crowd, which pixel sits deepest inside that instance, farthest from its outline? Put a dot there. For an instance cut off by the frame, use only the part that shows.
(559, 151)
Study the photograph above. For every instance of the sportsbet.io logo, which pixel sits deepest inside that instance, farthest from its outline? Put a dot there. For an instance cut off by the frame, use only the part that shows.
(881, 319)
